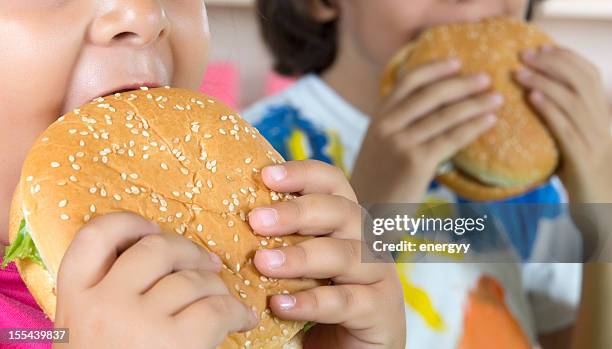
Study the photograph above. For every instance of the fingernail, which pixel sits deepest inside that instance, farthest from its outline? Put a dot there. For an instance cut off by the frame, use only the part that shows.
(497, 99)
(277, 173)
(268, 217)
(272, 258)
(286, 302)
(215, 259)
(490, 118)
(547, 48)
(523, 74)
(454, 63)
(483, 79)
(537, 96)
(529, 54)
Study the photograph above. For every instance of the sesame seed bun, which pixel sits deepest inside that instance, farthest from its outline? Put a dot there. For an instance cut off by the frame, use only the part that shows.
(518, 153)
(173, 156)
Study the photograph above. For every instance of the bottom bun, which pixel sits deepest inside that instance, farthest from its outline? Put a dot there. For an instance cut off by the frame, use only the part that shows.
(472, 189)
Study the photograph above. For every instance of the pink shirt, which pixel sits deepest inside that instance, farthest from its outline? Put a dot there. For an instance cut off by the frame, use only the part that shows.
(18, 308)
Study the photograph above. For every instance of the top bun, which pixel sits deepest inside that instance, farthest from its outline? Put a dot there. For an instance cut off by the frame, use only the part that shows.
(518, 153)
(173, 156)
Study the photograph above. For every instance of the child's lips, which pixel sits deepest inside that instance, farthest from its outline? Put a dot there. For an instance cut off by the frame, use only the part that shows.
(127, 87)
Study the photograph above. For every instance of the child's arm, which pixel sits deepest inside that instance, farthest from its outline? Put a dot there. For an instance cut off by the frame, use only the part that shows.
(124, 284)
(431, 115)
(594, 320)
(363, 307)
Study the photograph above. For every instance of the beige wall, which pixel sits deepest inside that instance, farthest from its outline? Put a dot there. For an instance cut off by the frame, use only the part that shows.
(235, 38)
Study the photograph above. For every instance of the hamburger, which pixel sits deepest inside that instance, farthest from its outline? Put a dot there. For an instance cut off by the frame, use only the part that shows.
(518, 153)
(176, 157)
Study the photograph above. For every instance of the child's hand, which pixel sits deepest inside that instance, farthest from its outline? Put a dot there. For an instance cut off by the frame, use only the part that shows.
(363, 307)
(568, 93)
(124, 284)
(430, 116)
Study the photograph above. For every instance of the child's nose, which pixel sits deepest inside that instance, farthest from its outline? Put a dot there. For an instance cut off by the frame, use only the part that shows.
(136, 22)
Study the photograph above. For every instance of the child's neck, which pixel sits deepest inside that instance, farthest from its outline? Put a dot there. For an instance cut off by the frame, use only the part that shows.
(356, 83)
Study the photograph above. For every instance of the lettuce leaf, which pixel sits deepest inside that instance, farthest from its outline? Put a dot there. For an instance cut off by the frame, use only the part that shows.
(22, 248)
(308, 326)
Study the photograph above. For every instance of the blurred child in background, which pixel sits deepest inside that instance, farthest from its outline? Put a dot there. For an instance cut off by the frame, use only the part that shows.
(338, 49)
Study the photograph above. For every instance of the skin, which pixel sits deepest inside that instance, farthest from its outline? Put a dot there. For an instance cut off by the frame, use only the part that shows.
(433, 112)
(48, 68)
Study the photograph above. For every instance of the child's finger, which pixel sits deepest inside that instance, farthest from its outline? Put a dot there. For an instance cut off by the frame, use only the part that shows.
(96, 246)
(578, 61)
(556, 91)
(156, 256)
(557, 67)
(314, 214)
(565, 132)
(307, 177)
(353, 306)
(448, 144)
(176, 291)
(452, 116)
(211, 319)
(432, 98)
(419, 78)
(321, 258)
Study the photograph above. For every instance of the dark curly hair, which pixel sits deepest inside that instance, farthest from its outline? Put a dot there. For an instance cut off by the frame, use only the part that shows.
(299, 43)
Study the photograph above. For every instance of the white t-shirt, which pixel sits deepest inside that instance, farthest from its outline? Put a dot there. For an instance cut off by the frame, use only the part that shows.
(309, 120)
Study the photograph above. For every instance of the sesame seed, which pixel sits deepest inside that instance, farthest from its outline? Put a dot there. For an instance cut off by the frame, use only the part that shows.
(62, 203)
(117, 197)
(248, 160)
(263, 243)
(36, 188)
(211, 243)
(199, 228)
(123, 176)
(134, 176)
(64, 217)
(93, 190)
(235, 237)
(55, 164)
(72, 178)
(176, 193)
(92, 208)
(164, 166)
(144, 88)
(86, 218)
(184, 171)
(29, 178)
(76, 167)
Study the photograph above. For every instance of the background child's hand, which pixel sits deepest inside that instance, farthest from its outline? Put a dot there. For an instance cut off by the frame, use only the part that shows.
(568, 93)
(124, 284)
(431, 115)
(363, 307)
